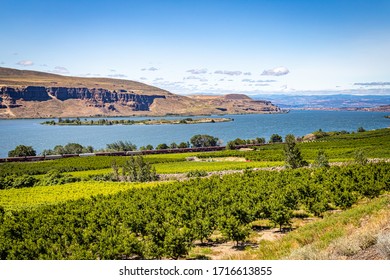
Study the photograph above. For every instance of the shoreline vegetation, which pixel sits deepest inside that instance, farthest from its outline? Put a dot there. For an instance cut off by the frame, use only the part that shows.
(78, 121)
(247, 204)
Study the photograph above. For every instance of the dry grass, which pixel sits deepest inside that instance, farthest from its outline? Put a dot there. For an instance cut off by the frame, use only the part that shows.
(357, 238)
(383, 244)
(346, 235)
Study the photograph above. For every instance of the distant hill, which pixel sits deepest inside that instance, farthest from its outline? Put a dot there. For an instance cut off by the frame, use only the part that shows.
(33, 94)
(345, 102)
(23, 78)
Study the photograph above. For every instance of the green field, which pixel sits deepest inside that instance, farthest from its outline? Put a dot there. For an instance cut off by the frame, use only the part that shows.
(187, 166)
(17, 199)
(339, 148)
(89, 219)
(165, 220)
(80, 163)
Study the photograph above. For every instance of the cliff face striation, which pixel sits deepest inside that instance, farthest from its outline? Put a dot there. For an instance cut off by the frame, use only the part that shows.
(12, 98)
(31, 94)
(136, 101)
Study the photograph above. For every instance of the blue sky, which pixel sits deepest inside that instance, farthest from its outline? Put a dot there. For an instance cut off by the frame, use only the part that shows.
(217, 47)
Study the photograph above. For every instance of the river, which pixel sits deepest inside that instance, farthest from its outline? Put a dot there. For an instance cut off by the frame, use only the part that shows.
(31, 133)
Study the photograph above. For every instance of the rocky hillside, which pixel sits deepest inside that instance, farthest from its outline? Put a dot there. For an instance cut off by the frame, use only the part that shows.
(31, 94)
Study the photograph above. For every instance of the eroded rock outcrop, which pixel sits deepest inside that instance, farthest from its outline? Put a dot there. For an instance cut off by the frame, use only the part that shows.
(96, 97)
(30, 93)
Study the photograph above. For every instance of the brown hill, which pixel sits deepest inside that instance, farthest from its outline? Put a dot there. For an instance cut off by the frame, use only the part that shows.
(32, 94)
(23, 78)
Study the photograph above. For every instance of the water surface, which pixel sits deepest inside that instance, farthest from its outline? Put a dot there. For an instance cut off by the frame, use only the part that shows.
(30, 132)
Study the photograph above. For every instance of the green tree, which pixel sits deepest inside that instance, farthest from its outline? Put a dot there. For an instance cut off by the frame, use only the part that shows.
(149, 147)
(320, 134)
(321, 159)
(115, 171)
(47, 152)
(88, 149)
(25, 181)
(203, 226)
(184, 145)
(232, 229)
(54, 177)
(361, 129)
(146, 148)
(173, 145)
(22, 151)
(360, 157)
(203, 140)
(122, 146)
(293, 157)
(73, 148)
(59, 150)
(136, 169)
(259, 140)
(162, 146)
(281, 205)
(177, 242)
(281, 215)
(238, 141)
(275, 138)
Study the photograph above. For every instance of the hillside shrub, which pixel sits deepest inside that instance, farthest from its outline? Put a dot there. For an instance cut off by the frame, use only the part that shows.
(22, 151)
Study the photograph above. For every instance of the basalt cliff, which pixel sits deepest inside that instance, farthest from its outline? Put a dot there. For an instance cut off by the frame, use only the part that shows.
(32, 94)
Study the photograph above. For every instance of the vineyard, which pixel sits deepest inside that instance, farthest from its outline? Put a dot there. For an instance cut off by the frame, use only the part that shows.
(339, 148)
(79, 164)
(165, 221)
(66, 213)
(27, 198)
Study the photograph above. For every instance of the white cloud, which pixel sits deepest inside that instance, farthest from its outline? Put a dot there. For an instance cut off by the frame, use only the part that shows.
(197, 71)
(191, 78)
(277, 71)
(372, 84)
(266, 81)
(60, 70)
(195, 78)
(149, 69)
(117, 76)
(143, 78)
(89, 75)
(247, 73)
(257, 81)
(284, 87)
(25, 63)
(227, 72)
(262, 85)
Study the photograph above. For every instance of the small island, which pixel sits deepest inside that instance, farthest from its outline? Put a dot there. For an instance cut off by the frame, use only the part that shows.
(77, 121)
